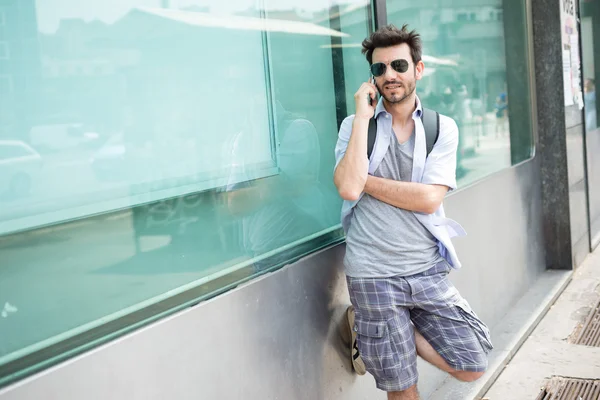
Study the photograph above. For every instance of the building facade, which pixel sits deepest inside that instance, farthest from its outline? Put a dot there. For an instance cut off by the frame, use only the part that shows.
(169, 227)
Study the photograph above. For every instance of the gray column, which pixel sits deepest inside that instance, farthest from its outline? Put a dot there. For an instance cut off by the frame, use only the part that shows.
(552, 145)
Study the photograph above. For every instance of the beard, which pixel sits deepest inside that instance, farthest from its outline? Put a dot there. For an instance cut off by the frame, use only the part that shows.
(409, 89)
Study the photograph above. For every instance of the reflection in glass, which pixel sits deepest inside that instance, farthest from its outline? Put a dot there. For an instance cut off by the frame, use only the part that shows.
(589, 14)
(589, 96)
(153, 151)
(466, 78)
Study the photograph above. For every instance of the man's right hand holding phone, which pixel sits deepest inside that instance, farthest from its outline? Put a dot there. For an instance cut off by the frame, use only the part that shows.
(366, 100)
(351, 173)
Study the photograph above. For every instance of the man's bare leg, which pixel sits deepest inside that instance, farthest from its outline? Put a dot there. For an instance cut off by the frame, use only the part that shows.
(428, 353)
(409, 394)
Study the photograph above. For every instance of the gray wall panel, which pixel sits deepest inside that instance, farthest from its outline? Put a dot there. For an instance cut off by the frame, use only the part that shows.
(279, 337)
(503, 252)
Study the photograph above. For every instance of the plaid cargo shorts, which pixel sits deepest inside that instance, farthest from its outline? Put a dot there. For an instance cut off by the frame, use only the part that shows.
(385, 308)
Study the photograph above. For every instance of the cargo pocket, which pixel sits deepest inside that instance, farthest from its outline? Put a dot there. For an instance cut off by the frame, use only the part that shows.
(481, 330)
(375, 347)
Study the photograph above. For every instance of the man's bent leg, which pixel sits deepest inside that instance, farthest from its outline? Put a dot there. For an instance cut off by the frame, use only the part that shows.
(451, 336)
(409, 394)
(385, 336)
(426, 351)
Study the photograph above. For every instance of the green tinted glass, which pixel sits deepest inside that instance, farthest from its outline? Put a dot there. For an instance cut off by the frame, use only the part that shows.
(153, 156)
(470, 76)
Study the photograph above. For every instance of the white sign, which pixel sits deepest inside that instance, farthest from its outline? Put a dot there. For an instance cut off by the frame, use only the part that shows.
(570, 53)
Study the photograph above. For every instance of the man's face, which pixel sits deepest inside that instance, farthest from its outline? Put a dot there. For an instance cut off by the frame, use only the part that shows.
(396, 87)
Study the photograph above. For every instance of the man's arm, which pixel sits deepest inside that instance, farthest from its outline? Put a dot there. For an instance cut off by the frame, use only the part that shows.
(439, 177)
(410, 196)
(350, 174)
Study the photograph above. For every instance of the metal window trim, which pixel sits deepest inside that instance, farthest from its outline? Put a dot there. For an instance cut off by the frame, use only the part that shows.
(532, 83)
(338, 68)
(379, 13)
(269, 89)
(586, 161)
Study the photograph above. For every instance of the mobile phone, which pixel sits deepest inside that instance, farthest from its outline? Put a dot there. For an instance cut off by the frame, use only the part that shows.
(373, 101)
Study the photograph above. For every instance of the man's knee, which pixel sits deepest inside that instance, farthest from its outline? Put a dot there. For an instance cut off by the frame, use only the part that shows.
(467, 376)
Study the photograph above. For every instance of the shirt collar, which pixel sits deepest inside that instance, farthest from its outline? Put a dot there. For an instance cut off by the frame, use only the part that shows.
(416, 114)
(380, 107)
(419, 109)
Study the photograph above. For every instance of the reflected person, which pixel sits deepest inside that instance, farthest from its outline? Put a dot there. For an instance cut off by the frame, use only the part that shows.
(589, 97)
(277, 210)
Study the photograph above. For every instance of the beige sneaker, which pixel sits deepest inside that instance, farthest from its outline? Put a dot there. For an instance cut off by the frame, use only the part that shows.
(357, 362)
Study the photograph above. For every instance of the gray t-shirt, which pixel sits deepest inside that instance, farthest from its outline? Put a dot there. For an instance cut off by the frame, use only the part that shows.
(384, 240)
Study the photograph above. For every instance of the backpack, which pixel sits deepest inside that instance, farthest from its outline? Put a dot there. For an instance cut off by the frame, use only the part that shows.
(431, 124)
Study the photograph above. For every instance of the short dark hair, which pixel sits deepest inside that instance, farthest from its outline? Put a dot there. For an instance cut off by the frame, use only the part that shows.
(388, 36)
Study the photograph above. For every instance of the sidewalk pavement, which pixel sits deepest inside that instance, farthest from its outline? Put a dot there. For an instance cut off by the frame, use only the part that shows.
(547, 352)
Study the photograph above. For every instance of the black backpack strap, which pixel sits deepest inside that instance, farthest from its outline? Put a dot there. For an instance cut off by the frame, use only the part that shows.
(431, 124)
(372, 136)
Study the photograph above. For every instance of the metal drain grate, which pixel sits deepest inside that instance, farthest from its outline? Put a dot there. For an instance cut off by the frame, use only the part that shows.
(570, 389)
(589, 334)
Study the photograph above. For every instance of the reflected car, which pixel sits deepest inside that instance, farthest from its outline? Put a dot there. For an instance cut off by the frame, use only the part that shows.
(117, 160)
(61, 136)
(19, 165)
(108, 162)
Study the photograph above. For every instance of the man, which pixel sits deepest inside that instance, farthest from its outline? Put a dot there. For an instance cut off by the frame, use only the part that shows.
(398, 248)
(501, 108)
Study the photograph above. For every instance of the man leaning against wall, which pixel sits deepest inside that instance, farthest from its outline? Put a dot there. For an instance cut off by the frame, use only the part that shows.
(398, 247)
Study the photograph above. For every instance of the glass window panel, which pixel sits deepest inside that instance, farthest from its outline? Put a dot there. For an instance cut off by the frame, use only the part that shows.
(467, 78)
(183, 149)
(589, 13)
(4, 51)
(159, 137)
(10, 150)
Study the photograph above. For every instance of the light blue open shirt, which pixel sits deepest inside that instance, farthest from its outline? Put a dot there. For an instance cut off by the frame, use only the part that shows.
(439, 168)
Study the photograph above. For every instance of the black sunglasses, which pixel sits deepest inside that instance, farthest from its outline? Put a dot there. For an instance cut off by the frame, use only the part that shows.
(399, 65)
